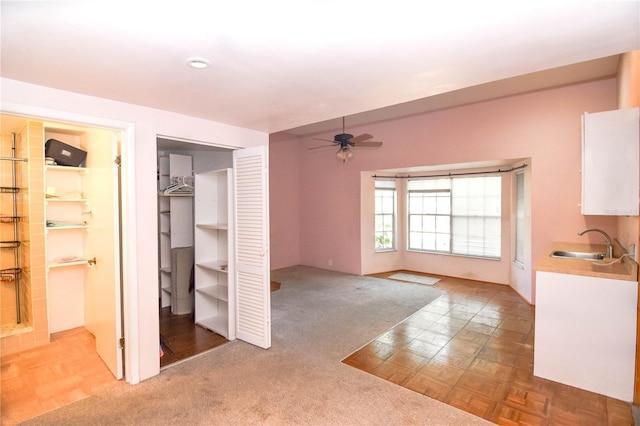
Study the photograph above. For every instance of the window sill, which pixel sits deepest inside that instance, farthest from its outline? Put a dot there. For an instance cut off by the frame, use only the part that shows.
(440, 253)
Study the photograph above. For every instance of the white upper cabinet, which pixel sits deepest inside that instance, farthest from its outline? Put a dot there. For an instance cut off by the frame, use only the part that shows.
(610, 159)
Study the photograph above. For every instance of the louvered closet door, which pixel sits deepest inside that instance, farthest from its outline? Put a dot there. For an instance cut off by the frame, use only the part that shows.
(253, 307)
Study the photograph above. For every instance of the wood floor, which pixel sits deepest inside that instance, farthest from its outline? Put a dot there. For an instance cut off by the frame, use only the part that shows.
(473, 349)
(180, 338)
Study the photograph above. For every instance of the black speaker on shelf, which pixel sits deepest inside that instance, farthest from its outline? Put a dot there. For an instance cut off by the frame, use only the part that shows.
(65, 154)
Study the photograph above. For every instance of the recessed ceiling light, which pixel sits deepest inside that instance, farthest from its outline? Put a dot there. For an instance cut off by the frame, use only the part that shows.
(198, 63)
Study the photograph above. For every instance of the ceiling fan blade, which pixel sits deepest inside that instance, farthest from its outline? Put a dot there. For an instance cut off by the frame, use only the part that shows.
(323, 146)
(324, 140)
(360, 138)
(368, 144)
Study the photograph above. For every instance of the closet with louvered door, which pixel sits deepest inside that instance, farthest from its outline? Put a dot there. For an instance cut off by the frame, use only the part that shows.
(214, 269)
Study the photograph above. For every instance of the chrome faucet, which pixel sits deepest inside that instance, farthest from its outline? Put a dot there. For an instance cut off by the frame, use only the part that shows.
(609, 245)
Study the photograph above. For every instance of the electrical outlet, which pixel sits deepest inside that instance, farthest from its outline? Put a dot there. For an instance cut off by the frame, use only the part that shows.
(330, 262)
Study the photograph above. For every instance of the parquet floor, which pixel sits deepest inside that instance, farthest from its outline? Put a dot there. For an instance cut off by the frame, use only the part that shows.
(45, 378)
(472, 348)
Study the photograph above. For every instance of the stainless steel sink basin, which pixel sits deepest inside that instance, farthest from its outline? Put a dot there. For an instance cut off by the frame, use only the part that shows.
(577, 255)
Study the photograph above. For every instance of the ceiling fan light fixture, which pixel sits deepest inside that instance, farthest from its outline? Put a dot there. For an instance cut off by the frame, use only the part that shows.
(344, 154)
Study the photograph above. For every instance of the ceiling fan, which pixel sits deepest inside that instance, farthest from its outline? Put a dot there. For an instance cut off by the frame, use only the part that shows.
(346, 141)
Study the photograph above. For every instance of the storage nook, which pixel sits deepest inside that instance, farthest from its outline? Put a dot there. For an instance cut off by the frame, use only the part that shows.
(66, 213)
(81, 227)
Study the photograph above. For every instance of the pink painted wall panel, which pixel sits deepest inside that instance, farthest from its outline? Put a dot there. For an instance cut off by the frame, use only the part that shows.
(544, 126)
(284, 201)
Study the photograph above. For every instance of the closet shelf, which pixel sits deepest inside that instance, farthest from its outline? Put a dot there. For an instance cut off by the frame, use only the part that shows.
(219, 292)
(218, 323)
(216, 265)
(66, 200)
(67, 169)
(62, 264)
(221, 226)
(66, 227)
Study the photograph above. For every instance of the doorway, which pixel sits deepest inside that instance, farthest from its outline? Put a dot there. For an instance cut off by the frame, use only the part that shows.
(178, 162)
(68, 228)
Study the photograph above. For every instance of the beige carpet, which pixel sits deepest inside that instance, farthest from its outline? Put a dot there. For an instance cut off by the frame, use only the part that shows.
(318, 318)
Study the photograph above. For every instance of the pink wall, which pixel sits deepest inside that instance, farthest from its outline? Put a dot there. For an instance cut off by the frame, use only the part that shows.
(284, 201)
(544, 126)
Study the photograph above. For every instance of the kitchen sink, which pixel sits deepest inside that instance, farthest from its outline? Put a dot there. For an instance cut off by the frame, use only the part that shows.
(577, 255)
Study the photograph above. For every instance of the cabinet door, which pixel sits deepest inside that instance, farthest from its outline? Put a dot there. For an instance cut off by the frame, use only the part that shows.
(253, 299)
(610, 160)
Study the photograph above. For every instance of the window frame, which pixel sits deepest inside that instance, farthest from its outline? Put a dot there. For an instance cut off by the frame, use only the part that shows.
(452, 215)
(519, 218)
(394, 220)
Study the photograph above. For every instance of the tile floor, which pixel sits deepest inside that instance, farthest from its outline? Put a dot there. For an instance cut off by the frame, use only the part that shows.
(45, 378)
(473, 349)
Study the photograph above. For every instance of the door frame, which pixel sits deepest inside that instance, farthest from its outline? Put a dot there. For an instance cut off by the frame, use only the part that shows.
(128, 266)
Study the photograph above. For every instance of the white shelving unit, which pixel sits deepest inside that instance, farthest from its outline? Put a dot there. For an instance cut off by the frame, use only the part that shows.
(66, 206)
(175, 218)
(215, 292)
(67, 261)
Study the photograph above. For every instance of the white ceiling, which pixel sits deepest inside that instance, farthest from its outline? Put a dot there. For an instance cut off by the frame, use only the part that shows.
(291, 64)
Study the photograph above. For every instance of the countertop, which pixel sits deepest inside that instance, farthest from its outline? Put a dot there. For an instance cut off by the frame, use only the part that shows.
(625, 269)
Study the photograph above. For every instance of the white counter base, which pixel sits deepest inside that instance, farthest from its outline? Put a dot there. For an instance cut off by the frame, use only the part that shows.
(585, 332)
